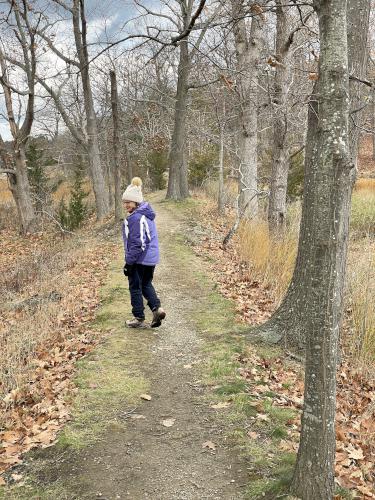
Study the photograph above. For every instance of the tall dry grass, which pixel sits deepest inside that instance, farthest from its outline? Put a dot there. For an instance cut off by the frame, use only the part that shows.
(360, 301)
(363, 209)
(272, 260)
(40, 292)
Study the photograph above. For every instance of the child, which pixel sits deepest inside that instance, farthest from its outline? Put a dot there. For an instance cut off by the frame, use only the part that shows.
(141, 255)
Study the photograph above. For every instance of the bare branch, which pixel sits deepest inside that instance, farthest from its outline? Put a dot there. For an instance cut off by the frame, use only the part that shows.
(190, 26)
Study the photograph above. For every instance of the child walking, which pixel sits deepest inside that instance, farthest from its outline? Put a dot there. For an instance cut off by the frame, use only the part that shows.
(141, 255)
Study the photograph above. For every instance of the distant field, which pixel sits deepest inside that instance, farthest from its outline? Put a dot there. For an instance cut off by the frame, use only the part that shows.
(363, 183)
(62, 191)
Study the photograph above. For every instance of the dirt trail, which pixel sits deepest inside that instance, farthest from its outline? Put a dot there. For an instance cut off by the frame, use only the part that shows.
(148, 460)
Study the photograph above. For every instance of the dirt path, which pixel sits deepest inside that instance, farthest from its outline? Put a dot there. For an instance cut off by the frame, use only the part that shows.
(144, 459)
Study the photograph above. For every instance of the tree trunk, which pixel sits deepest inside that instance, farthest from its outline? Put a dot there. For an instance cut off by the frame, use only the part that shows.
(178, 176)
(326, 211)
(129, 169)
(280, 164)
(248, 54)
(109, 171)
(220, 201)
(287, 323)
(116, 148)
(20, 188)
(93, 151)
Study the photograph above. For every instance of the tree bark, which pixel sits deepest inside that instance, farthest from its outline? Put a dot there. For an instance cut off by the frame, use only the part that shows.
(280, 163)
(17, 175)
(287, 323)
(21, 192)
(116, 147)
(220, 200)
(93, 151)
(248, 54)
(178, 177)
(326, 210)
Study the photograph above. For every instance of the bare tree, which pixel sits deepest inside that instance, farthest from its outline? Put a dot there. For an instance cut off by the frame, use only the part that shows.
(88, 138)
(283, 64)
(116, 145)
(178, 176)
(19, 105)
(288, 322)
(326, 211)
(248, 50)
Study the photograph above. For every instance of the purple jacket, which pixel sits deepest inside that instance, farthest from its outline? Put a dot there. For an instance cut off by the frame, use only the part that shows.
(140, 236)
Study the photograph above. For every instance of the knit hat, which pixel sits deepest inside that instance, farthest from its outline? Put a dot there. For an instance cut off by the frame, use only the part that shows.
(134, 191)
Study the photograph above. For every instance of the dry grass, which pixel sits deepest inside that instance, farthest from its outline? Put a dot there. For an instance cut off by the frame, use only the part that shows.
(39, 293)
(5, 194)
(365, 183)
(363, 209)
(360, 298)
(272, 263)
(27, 316)
(211, 187)
(271, 258)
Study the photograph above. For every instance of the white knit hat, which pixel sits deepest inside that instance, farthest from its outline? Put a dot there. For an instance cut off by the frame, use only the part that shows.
(134, 191)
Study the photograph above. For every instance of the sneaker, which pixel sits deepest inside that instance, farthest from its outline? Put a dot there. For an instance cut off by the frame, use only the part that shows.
(158, 316)
(136, 323)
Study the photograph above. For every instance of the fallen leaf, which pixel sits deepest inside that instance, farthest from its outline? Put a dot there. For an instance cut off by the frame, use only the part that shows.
(253, 435)
(146, 397)
(209, 444)
(17, 477)
(168, 422)
(2, 481)
(263, 417)
(356, 454)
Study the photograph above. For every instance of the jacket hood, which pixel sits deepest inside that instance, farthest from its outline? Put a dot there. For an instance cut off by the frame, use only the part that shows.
(145, 209)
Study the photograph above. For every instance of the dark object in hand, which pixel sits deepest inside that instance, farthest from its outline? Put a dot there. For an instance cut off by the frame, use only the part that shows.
(128, 269)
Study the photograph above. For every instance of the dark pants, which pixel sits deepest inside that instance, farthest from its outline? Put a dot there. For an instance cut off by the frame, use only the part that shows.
(140, 284)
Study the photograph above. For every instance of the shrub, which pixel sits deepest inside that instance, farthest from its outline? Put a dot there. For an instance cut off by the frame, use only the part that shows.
(37, 176)
(203, 165)
(158, 162)
(72, 215)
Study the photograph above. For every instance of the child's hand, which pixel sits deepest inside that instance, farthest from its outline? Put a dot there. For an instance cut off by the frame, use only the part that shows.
(128, 269)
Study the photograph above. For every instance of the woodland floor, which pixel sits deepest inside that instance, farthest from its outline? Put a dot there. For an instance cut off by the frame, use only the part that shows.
(172, 446)
(193, 410)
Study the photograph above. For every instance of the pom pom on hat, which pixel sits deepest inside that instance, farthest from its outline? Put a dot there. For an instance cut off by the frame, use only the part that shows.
(134, 191)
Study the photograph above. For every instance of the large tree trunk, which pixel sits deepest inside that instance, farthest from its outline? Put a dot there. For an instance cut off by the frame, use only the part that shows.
(326, 210)
(248, 54)
(280, 163)
(287, 323)
(20, 188)
(93, 151)
(116, 147)
(178, 176)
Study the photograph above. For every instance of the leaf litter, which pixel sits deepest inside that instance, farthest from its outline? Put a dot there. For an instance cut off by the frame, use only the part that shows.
(355, 415)
(34, 411)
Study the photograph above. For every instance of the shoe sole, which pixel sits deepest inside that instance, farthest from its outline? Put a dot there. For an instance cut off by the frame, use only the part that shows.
(138, 327)
(157, 322)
